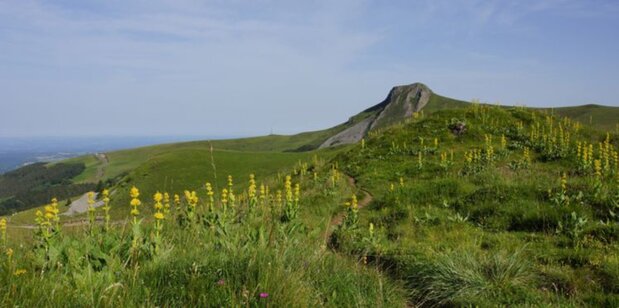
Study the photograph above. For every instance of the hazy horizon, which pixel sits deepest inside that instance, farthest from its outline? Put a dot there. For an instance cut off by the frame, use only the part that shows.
(237, 68)
(18, 151)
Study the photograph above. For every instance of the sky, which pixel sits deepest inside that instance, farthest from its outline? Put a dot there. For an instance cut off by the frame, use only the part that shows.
(243, 68)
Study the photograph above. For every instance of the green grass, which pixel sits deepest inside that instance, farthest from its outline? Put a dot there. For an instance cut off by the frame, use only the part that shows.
(601, 117)
(190, 169)
(90, 173)
(27, 217)
(124, 161)
(228, 263)
(486, 238)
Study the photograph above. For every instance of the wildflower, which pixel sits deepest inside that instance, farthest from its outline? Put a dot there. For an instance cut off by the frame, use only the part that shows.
(158, 197)
(134, 193)
(291, 199)
(251, 192)
(3, 230)
(106, 207)
(51, 212)
(264, 295)
(210, 194)
(288, 188)
(598, 168)
(177, 201)
(19, 272)
(352, 218)
(9, 252)
(221, 282)
(278, 198)
(166, 203)
(135, 202)
(91, 208)
(263, 194)
(209, 189)
(230, 183)
(224, 197)
(91, 198)
(39, 217)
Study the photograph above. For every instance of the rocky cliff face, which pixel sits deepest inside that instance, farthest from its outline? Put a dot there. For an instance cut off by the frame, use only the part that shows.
(400, 104)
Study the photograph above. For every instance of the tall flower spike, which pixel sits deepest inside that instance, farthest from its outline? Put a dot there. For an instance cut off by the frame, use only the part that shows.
(3, 230)
(135, 202)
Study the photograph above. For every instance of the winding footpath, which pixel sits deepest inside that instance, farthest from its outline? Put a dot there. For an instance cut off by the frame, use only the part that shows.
(102, 157)
(337, 219)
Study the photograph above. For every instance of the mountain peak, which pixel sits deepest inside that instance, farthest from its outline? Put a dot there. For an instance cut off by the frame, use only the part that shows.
(401, 102)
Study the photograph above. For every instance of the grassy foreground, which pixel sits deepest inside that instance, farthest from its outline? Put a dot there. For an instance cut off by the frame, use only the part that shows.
(257, 246)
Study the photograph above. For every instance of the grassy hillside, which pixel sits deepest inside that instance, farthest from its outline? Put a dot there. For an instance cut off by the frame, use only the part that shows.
(182, 169)
(37, 183)
(124, 161)
(471, 219)
(601, 117)
(437, 103)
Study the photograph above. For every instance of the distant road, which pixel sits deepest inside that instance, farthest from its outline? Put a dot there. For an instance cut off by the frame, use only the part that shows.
(81, 205)
(102, 157)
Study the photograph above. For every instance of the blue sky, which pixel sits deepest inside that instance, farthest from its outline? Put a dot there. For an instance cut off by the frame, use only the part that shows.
(230, 67)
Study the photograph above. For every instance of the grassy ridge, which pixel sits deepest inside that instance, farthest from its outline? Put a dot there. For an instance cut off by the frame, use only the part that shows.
(124, 161)
(191, 168)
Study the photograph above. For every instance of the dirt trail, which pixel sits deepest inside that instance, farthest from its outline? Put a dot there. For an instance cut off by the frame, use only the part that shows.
(337, 219)
(104, 162)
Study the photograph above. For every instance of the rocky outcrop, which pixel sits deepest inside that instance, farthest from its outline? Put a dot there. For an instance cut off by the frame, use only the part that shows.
(400, 104)
(350, 135)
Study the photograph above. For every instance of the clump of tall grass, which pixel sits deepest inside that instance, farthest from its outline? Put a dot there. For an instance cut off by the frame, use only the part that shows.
(458, 278)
